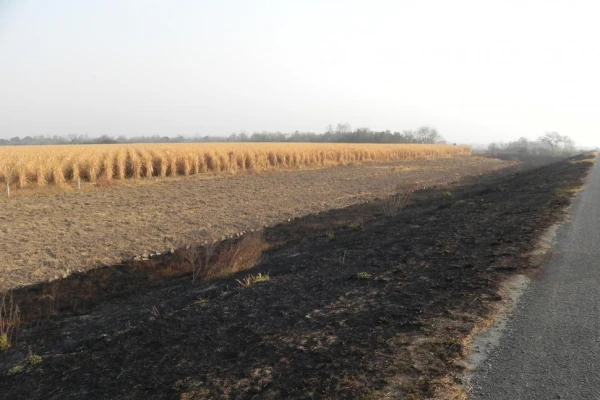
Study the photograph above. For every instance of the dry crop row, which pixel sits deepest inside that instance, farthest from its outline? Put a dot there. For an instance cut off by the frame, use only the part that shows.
(60, 165)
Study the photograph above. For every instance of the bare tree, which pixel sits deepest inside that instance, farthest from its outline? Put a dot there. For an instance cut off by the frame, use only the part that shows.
(553, 140)
(568, 144)
(558, 143)
(428, 135)
(343, 128)
(494, 148)
(551, 143)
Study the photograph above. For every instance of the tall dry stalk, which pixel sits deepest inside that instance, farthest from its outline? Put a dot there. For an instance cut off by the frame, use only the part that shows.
(108, 165)
(163, 165)
(134, 164)
(57, 171)
(92, 167)
(74, 173)
(40, 172)
(10, 320)
(7, 175)
(184, 166)
(22, 179)
(195, 165)
(249, 163)
(223, 162)
(172, 159)
(121, 164)
(147, 163)
(212, 162)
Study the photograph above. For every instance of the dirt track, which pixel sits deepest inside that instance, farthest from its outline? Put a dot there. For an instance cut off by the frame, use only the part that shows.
(43, 237)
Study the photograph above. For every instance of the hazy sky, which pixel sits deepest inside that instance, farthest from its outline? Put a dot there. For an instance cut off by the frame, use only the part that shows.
(477, 70)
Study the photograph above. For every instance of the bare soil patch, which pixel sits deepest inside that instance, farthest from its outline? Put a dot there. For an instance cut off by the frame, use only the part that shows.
(44, 237)
(358, 305)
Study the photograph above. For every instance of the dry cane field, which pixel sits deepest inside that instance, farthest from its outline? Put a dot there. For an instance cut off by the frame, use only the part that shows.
(67, 208)
(58, 165)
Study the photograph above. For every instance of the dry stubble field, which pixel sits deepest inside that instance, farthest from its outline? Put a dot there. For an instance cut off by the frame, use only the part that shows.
(42, 237)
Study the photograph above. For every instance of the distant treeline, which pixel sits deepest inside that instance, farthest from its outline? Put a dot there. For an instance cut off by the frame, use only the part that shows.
(341, 134)
(551, 143)
(344, 134)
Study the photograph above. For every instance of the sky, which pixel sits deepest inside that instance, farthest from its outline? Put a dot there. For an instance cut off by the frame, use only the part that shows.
(477, 71)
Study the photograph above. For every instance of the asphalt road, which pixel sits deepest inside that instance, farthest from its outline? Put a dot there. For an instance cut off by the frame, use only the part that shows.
(551, 349)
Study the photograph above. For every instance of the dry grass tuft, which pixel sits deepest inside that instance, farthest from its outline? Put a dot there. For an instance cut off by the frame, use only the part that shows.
(252, 279)
(198, 258)
(10, 320)
(214, 260)
(241, 255)
(397, 202)
(590, 161)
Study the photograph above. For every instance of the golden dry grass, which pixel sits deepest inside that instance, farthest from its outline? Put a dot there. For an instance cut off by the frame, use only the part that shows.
(36, 166)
